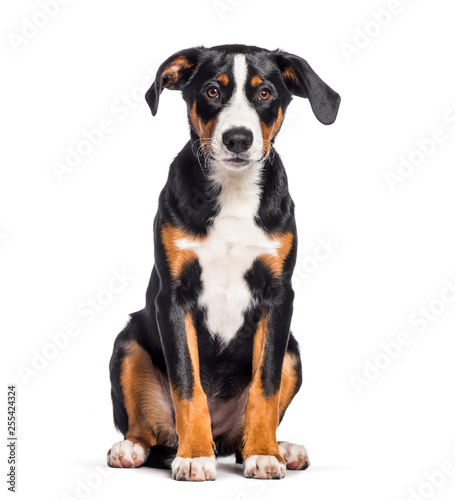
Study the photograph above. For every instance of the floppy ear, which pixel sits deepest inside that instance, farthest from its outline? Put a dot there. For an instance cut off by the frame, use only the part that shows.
(172, 74)
(302, 81)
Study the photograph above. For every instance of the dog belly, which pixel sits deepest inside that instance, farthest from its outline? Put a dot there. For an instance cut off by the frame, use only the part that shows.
(228, 416)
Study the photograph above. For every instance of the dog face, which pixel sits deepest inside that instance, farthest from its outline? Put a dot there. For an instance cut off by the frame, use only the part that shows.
(237, 97)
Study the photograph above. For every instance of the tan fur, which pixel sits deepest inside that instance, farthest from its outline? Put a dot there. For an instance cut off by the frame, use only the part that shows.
(142, 392)
(203, 129)
(223, 79)
(256, 81)
(192, 417)
(173, 69)
(269, 131)
(288, 381)
(261, 414)
(276, 262)
(177, 257)
(290, 74)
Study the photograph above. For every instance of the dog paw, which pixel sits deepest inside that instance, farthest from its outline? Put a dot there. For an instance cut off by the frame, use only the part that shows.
(126, 454)
(194, 469)
(295, 456)
(263, 467)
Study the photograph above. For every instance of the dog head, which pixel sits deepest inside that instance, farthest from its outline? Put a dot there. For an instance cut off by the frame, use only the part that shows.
(237, 97)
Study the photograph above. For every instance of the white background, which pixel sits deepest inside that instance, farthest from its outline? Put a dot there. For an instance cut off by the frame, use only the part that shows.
(61, 239)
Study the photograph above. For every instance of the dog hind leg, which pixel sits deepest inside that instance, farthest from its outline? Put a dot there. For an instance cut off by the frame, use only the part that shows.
(295, 456)
(143, 409)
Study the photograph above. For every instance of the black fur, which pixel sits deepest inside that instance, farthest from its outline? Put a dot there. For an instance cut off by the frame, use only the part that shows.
(161, 457)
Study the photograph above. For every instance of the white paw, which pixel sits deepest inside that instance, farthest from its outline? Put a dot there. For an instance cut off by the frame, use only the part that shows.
(194, 469)
(126, 454)
(263, 467)
(295, 456)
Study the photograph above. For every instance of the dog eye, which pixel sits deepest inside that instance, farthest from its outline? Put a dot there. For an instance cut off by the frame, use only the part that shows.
(213, 92)
(264, 95)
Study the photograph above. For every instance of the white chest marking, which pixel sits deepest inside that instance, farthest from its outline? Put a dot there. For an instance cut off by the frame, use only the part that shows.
(233, 244)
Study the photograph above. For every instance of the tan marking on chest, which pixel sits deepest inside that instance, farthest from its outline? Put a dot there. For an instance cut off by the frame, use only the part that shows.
(276, 262)
(177, 257)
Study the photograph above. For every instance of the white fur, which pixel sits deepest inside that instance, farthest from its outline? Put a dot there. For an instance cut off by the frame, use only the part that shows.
(128, 451)
(294, 454)
(263, 467)
(238, 113)
(194, 469)
(234, 242)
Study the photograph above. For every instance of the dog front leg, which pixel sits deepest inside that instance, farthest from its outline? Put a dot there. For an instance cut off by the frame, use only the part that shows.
(260, 451)
(195, 460)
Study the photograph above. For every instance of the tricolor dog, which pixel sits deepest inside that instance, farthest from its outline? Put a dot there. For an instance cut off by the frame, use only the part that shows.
(209, 366)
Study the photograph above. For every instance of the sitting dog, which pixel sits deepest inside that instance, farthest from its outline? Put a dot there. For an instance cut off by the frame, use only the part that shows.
(209, 366)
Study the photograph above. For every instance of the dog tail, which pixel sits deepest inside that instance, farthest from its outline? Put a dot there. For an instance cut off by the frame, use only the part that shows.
(160, 457)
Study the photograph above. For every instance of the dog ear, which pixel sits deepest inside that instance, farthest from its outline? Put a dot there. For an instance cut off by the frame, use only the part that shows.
(302, 81)
(173, 74)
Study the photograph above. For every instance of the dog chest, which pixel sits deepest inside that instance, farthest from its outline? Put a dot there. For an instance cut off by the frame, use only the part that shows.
(225, 256)
(233, 243)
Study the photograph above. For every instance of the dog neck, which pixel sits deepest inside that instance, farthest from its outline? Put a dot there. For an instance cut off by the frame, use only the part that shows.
(239, 190)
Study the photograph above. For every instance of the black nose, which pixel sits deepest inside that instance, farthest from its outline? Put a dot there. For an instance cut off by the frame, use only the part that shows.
(238, 140)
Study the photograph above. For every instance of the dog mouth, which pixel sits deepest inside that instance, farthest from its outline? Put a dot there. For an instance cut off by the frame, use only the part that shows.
(236, 162)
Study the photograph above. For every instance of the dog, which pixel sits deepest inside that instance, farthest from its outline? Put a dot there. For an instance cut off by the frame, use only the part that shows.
(209, 366)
